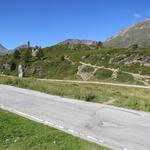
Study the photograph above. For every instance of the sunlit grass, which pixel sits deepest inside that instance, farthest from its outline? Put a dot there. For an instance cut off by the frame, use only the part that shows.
(17, 133)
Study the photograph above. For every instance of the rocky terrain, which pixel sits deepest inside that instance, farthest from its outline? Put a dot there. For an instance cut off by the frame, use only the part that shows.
(78, 44)
(78, 41)
(138, 33)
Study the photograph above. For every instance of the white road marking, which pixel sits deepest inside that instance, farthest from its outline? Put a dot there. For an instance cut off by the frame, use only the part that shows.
(58, 126)
(100, 141)
(48, 123)
(92, 138)
(70, 130)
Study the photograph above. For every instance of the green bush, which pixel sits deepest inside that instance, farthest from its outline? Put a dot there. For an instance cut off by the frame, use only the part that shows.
(145, 70)
(90, 98)
(103, 74)
(13, 66)
(124, 77)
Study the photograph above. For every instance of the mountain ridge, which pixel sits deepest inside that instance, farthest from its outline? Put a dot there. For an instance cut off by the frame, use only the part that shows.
(138, 33)
(78, 41)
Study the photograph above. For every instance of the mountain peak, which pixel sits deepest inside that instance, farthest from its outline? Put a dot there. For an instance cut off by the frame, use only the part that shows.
(78, 41)
(138, 33)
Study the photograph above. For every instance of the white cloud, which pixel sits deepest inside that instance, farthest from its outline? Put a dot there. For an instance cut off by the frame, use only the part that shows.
(137, 15)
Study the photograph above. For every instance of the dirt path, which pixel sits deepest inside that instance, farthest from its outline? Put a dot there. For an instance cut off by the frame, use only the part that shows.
(98, 67)
(100, 83)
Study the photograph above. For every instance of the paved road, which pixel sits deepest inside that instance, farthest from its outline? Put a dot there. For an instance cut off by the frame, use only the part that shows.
(119, 129)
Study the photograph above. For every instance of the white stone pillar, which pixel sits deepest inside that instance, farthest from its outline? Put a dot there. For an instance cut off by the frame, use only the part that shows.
(20, 71)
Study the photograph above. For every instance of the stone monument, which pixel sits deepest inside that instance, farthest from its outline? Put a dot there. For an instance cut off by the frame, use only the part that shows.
(20, 71)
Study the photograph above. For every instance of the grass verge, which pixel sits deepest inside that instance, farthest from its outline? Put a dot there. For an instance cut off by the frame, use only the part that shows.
(134, 98)
(17, 133)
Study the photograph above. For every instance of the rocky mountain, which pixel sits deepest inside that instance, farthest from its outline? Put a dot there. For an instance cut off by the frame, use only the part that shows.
(77, 44)
(77, 41)
(138, 33)
(3, 50)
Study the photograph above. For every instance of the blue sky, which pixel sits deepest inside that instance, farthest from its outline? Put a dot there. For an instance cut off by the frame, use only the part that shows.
(46, 22)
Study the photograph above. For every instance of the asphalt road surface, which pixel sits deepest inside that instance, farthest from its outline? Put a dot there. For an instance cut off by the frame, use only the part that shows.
(116, 128)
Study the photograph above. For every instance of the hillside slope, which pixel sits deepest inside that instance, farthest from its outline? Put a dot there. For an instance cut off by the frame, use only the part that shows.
(83, 62)
(136, 34)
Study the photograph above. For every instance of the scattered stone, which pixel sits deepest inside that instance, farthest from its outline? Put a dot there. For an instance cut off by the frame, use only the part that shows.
(7, 140)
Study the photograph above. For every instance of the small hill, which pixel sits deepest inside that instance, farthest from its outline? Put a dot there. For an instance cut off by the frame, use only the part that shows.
(78, 41)
(21, 47)
(77, 44)
(138, 33)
